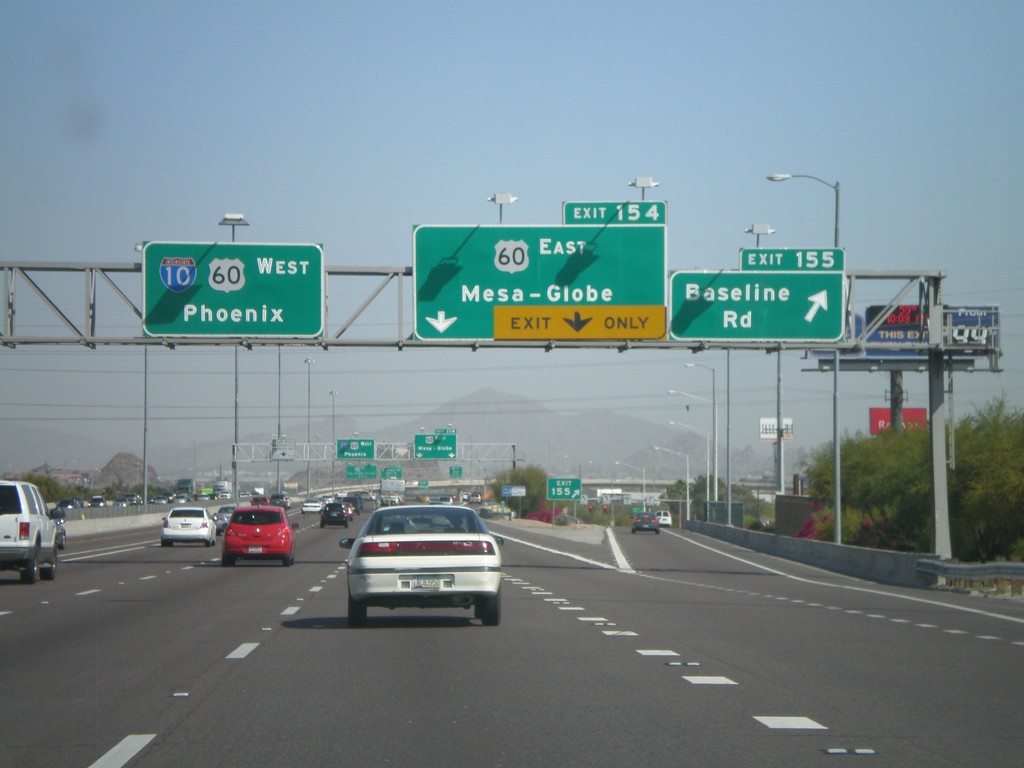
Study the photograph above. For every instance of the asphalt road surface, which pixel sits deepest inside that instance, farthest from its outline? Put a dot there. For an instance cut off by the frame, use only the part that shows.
(628, 650)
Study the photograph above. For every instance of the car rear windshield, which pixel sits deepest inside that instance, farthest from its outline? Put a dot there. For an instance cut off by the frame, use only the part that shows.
(256, 517)
(186, 513)
(10, 504)
(428, 520)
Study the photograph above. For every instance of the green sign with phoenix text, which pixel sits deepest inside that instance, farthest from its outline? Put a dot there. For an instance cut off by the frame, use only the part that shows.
(236, 290)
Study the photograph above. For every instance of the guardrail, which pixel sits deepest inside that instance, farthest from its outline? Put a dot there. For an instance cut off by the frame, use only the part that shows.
(1001, 578)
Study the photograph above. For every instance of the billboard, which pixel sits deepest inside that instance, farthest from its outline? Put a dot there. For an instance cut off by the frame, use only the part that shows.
(913, 418)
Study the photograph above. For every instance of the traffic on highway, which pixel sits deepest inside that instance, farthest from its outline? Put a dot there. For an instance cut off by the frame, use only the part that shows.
(613, 649)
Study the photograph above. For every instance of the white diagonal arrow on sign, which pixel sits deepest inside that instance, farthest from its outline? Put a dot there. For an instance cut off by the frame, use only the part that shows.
(818, 301)
(441, 322)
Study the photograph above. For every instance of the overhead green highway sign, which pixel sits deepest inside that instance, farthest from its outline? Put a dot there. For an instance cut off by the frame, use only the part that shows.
(232, 290)
(360, 471)
(356, 448)
(439, 446)
(645, 212)
(764, 306)
(792, 259)
(465, 277)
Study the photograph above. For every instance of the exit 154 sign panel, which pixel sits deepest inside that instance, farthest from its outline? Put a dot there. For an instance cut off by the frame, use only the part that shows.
(466, 276)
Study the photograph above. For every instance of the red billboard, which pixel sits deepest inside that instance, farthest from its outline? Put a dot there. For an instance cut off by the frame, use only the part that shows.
(881, 419)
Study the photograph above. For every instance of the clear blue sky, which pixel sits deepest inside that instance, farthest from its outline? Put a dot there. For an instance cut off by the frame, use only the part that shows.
(346, 123)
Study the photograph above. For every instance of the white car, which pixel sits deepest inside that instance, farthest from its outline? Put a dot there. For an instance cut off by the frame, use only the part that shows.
(665, 519)
(312, 505)
(188, 524)
(28, 535)
(424, 556)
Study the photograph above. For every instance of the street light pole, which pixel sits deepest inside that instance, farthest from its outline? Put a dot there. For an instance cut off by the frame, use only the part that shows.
(334, 437)
(234, 220)
(707, 467)
(643, 487)
(687, 457)
(714, 419)
(309, 400)
(837, 495)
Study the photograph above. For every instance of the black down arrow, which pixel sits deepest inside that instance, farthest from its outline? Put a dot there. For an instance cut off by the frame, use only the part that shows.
(577, 323)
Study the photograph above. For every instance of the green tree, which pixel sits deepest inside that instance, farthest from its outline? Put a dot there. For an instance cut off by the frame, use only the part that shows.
(987, 485)
(886, 484)
(533, 479)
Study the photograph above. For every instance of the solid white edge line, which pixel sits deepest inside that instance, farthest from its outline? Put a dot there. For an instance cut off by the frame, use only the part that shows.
(925, 601)
(125, 750)
(617, 553)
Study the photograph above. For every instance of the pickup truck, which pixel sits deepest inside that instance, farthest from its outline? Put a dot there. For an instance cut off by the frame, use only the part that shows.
(28, 536)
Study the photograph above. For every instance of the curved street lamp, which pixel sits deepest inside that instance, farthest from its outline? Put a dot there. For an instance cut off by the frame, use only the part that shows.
(837, 497)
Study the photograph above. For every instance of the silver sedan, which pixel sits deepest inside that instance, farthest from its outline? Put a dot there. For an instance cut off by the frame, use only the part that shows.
(424, 556)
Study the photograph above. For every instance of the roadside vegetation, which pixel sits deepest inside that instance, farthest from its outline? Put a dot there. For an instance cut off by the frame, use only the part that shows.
(886, 488)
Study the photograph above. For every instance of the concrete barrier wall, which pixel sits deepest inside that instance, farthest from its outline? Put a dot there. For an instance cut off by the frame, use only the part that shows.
(94, 525)
(880, 565)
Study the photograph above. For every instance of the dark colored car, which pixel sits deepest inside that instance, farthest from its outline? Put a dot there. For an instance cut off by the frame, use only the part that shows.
(58, 514)
(280, 500)
(357, 502)
(335, 513)
(258, 533)
(646, 521)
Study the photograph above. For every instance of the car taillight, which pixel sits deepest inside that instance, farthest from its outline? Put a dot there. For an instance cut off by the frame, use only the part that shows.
(23, 531)
(454, 547)
(167, 523)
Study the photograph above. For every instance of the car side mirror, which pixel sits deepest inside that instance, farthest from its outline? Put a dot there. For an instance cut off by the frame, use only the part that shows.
(295, 526)
(499, 539)
(346, 543)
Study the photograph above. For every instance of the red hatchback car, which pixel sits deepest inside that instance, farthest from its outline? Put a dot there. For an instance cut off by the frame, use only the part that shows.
(258, 533)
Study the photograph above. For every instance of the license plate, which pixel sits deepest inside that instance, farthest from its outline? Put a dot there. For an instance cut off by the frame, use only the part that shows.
(426, 582)
(255, 550)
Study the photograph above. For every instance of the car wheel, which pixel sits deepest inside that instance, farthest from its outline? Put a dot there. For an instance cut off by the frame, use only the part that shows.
(287, 560)
(30, 573)
(356, 612)
(488, 610)
(49, 572)
(227, 561)
(322, 523)
(166, 543)
(658, 531)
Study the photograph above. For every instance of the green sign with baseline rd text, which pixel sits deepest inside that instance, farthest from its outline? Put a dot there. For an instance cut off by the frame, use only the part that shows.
(465, 275)
(232, 290)
(762, 306)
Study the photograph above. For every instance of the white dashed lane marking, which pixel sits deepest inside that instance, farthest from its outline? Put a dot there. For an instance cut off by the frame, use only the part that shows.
(242, 651)
(789, 723)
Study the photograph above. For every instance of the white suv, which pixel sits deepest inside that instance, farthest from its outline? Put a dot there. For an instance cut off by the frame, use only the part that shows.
(28, 537)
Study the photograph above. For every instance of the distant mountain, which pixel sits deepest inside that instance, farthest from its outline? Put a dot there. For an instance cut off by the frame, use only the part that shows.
(588, 442)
